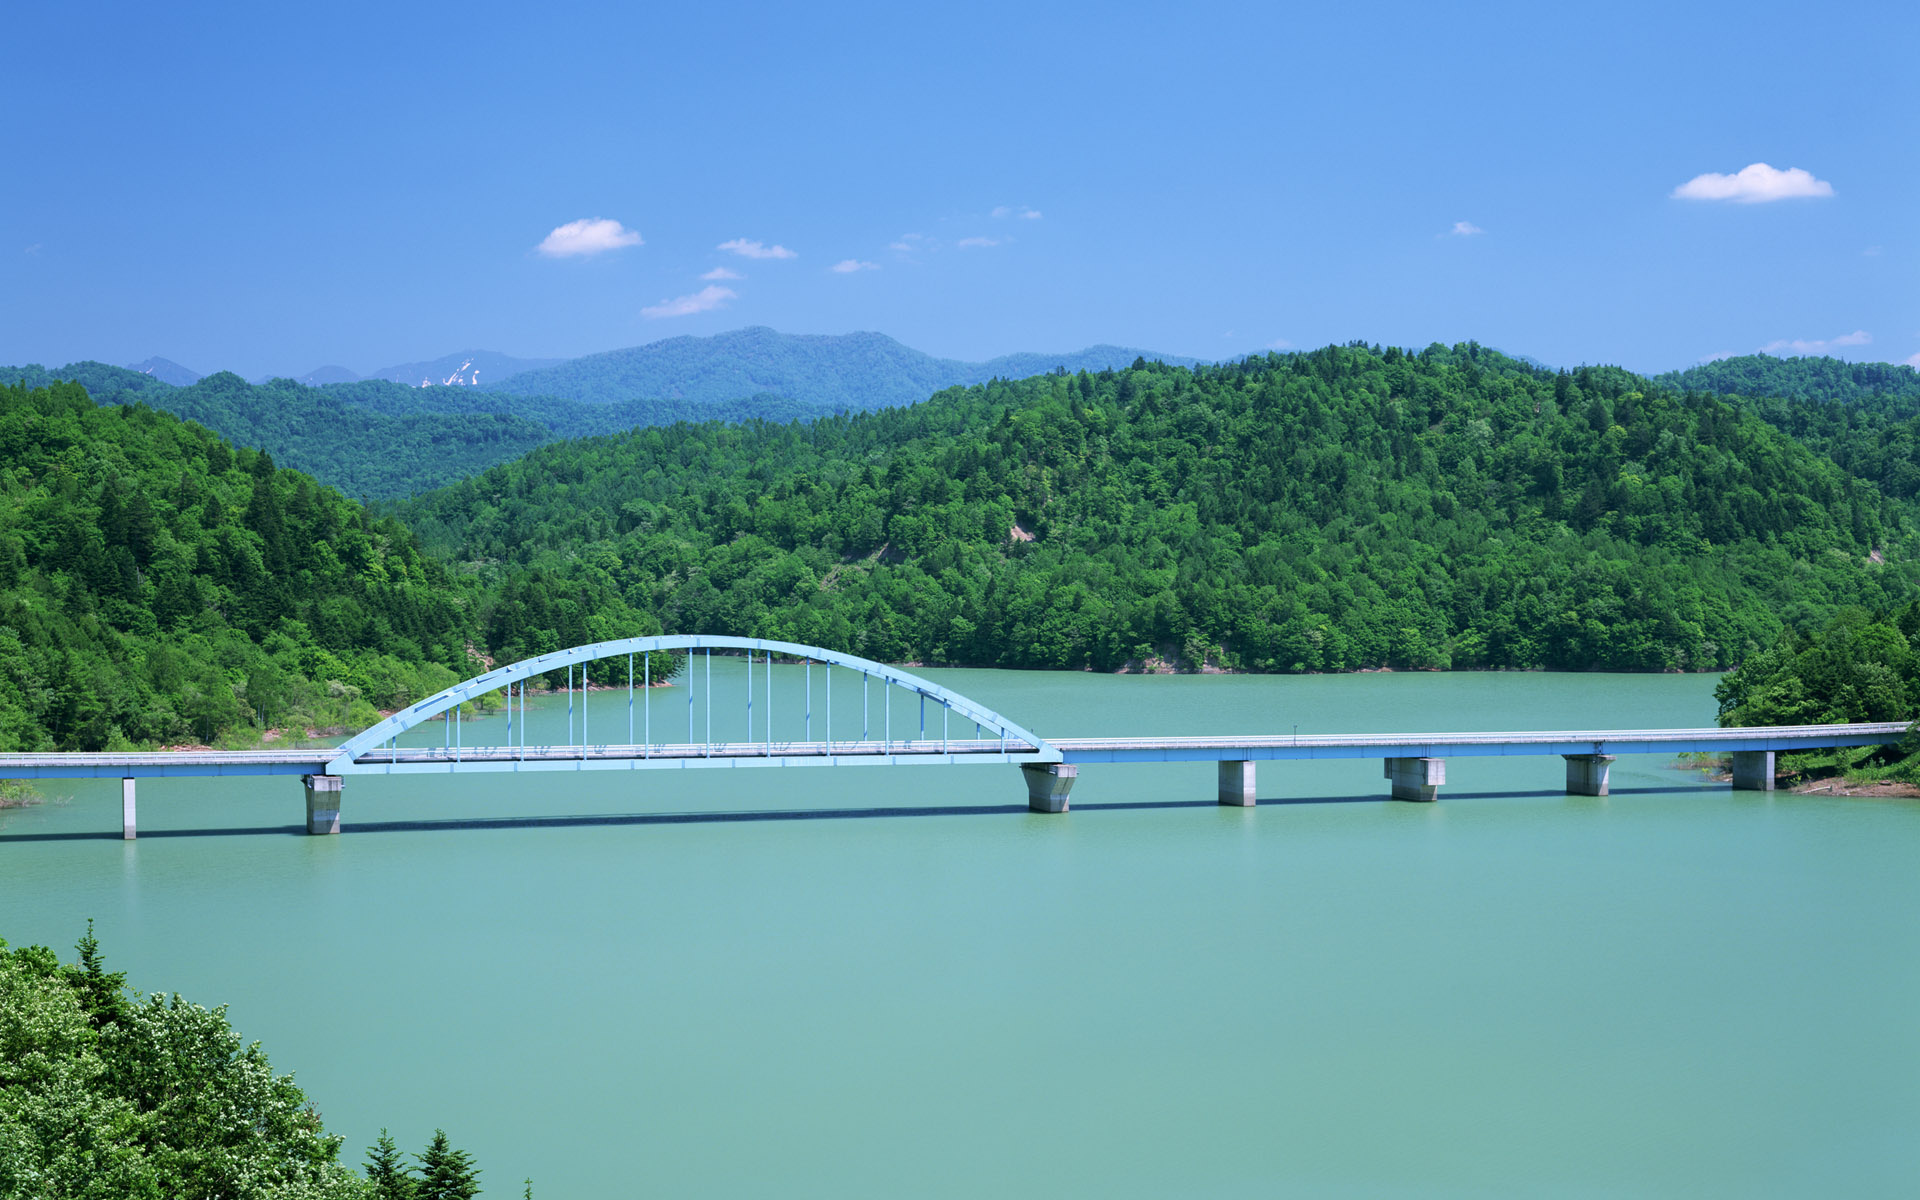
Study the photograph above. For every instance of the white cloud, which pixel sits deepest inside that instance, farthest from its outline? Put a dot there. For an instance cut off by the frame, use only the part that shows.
(721, 273)
(848, 266)
(33, 249)
(1816, 346)
(1016, 211)
(747, 249)
(1913, 362)
(974, 243)
(1279, 344)
(704, 300)
(593, 235)
(1465, 229)
(1755, 184)
(1717, 355)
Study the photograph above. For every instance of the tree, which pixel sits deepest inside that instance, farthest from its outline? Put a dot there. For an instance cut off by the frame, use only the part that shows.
(102, 992)
(391, 1178)
(446, 1173)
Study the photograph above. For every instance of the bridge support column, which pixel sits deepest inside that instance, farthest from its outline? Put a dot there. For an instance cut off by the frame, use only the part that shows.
(1753, 770)
(323, 803)
(1048, 785)
(1587, 773)
(128, 825)
(1236, 784)
(1416, 779)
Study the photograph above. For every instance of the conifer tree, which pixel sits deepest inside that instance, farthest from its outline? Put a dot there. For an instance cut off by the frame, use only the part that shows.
(102, 992)
(446, 1173)
(391, 1178)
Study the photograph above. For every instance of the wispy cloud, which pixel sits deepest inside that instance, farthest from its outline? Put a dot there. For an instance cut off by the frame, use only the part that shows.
(1754, 184)
(848, 266)
(1871, 252)
(1465, 229)
(592, 235)
(1913, 362)
(975, 243)
(32, 250)
(721, 273)
(1817, 346)
(750, 249)
(704, 300)
(1717, 355)
(1279, 344)
(1017, 212)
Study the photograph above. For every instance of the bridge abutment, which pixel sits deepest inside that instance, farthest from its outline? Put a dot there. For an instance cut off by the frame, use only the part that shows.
(1416, 779)
(323, 803)
(128, 824)
(1236, 784)
(1048, 785)
(1753, 770)
(1587, 773)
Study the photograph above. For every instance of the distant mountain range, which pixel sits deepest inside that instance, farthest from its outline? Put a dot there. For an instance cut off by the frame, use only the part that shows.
(167, 371)
(835, 372)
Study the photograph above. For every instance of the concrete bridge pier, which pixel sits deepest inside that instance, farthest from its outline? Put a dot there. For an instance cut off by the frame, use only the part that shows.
(1048, 785)
(128, 825)
(1417, 779)
(1236, 784)
(1753, 770)
(1587, 773)
(323, 803)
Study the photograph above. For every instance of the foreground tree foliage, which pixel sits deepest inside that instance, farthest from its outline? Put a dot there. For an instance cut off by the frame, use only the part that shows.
(108, 1095)
(1860, 666)
(159, 586)
(1346, 508)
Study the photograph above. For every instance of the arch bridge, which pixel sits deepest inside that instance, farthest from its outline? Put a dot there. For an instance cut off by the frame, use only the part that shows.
(823, 708)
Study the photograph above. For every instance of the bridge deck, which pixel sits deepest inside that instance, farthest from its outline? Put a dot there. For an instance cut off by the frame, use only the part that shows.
(1240, 748)
(1470, 745)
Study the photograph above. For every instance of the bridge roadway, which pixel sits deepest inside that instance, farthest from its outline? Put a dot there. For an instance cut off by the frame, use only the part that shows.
(1415, 764)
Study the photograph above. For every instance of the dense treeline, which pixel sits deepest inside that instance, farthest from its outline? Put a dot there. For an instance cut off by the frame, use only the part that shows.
(381, 440)
(1863, 416)
(159, 586)
(1860, 666)
(1345, 508)
(1822, 380)
(107, 1095)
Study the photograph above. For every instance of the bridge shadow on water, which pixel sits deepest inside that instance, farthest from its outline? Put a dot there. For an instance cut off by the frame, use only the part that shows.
(760, 816)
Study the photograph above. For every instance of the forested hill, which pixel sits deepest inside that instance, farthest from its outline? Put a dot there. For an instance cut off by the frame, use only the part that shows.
(841, 372)
(378, 439)
(1826, 380)
(1339, 509)
(1865, 417)
(158, 586)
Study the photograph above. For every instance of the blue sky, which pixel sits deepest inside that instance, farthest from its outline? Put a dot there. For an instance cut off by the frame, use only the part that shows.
(269, 188)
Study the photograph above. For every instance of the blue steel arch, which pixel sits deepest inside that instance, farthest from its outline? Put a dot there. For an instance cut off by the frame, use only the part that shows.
(441, 702)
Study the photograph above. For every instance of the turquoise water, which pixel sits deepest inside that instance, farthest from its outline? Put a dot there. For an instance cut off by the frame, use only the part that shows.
(897, 982)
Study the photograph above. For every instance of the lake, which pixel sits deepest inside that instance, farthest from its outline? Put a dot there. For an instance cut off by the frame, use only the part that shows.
(898, 982)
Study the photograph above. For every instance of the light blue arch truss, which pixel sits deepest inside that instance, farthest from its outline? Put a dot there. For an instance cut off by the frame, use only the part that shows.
(1015, 743)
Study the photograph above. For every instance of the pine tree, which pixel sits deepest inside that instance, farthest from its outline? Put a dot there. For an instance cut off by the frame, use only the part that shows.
(446, 1173)
(101, 991)
(391, 1178)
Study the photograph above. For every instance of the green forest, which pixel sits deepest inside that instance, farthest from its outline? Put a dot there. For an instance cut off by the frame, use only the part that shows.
(158, 586)
(1346, 508)
(378, 440)
(107, 1095)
